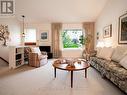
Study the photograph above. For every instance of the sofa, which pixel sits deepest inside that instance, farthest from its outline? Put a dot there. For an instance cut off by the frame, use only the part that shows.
(112, 64)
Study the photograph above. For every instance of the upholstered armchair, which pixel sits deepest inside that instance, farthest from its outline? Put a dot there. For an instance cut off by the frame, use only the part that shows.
(36, 57)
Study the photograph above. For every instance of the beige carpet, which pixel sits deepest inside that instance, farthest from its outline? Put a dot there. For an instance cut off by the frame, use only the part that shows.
(40, 81)
(3, 66)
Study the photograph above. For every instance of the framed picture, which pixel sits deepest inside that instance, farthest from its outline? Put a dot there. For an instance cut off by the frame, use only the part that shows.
(122, 35)
(97, 35)
(107, 31)
(44, 35)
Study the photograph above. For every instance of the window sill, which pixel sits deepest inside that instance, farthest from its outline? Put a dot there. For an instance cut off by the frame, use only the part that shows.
(71, 49)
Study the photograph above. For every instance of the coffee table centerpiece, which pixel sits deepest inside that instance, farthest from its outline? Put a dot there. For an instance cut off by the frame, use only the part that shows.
(71, 62)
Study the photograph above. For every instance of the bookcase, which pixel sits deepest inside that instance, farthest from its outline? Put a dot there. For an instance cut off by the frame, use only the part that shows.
(16, 56)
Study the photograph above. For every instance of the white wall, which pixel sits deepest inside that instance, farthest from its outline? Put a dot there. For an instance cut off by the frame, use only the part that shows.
(15, 38)
(72, 52)
(47, 27)
(110, 15)
(42, 28)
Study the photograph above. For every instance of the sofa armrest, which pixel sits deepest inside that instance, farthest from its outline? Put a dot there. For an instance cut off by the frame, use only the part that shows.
(31, 55)
(92, 54)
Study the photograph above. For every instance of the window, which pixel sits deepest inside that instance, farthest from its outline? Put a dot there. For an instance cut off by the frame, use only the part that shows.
(72, 38)
(30, 35)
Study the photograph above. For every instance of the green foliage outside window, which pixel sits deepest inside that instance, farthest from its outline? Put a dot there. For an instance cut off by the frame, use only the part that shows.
(72, 38)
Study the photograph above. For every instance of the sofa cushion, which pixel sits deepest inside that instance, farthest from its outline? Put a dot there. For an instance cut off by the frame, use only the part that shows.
(111, 66)
(119, 53)
(105, 53)
(117, 70)
(98, 49)
(100, 61)
(123, 62)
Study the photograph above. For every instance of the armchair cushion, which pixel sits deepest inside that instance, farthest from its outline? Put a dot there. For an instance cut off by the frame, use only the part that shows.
(36, 50)
(42, 57)
(43, 53)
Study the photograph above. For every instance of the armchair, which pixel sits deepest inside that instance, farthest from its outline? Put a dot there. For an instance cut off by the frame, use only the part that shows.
(36, 57)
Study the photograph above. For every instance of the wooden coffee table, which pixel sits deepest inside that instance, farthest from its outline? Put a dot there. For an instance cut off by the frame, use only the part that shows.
(80, 64)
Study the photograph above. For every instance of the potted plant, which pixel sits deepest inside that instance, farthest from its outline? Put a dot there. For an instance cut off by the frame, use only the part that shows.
(85, 41)
(4, 34)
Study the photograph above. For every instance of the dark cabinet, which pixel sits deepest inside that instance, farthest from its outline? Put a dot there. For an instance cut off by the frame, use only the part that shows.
(50, 55)
(46, 49)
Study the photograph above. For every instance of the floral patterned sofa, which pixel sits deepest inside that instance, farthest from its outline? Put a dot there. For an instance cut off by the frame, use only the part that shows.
(112, 69)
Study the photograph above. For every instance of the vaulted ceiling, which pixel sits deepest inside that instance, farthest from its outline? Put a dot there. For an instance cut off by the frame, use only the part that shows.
(66, 11)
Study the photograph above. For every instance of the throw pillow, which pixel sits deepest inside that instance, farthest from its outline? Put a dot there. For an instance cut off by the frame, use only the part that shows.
(36, 50)
(98, 50)
(119, 53)
(123, 62)
(106, 53)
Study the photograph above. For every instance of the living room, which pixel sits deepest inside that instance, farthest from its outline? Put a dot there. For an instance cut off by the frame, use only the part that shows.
(49, 26)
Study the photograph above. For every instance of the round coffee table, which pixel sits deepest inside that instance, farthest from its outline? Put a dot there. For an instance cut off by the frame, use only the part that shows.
(80, 64)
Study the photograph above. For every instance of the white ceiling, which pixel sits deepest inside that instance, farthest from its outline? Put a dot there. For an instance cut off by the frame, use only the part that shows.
(66, 11)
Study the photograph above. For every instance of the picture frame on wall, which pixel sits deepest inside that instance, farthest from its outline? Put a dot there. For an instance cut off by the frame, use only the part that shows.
(107, 31)
(122, 32)
(44, 35)
(97, 35)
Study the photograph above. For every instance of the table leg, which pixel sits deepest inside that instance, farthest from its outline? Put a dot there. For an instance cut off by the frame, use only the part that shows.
(71, 79)
(86, 73)
(54, 72)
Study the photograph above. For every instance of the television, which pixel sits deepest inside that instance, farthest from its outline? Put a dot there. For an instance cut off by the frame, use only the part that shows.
(45, 48)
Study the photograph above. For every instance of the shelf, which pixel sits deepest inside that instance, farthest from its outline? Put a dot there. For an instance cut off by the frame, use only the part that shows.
(19, 50)
(25, 57)
(16, 56)
(19, 53)
(19, 65)
(26, 62)
(18, 60)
